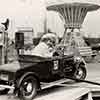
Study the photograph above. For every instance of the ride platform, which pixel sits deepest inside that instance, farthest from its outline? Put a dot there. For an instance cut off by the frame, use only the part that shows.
(66, 89)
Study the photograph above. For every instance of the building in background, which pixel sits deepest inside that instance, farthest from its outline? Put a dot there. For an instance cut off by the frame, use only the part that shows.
(24, 38)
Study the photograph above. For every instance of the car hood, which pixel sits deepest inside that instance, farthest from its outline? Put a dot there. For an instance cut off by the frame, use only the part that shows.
(12, 67)
(15, 66)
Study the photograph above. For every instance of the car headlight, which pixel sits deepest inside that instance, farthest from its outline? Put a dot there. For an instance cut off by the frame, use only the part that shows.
(4, 77)
(77, 59)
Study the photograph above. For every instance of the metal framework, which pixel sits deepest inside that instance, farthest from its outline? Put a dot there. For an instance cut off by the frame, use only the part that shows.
(73, 15)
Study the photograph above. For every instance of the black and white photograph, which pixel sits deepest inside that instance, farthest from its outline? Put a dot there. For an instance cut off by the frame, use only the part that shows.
(49, 49)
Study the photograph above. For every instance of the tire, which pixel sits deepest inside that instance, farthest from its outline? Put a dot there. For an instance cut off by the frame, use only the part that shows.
(80, 72)
(28, 88)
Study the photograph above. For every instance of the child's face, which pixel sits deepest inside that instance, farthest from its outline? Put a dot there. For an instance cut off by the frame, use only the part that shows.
(50, 43)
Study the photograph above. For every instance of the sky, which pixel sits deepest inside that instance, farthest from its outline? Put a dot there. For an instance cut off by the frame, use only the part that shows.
(31, 13)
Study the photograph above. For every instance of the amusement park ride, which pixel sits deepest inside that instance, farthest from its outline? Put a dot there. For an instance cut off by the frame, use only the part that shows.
(32, 73)
(73, 15)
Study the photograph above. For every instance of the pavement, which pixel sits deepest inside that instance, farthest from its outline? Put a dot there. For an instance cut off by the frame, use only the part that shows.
(93, 74)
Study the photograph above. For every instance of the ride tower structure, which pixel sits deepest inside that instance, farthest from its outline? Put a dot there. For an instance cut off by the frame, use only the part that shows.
(73, 15)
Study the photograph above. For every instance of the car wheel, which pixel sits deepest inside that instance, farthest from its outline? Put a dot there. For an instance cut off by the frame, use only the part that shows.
(80, 73)
(28, 88)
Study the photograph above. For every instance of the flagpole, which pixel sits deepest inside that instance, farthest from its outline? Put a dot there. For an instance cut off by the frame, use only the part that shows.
(45, 18)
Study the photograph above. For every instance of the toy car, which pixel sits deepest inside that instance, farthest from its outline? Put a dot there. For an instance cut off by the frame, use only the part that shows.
(27, 74)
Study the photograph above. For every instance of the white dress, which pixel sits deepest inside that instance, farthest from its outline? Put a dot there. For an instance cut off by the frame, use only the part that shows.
(42, 50)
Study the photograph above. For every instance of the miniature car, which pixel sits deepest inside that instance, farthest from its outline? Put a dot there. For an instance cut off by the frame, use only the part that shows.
(27, 74)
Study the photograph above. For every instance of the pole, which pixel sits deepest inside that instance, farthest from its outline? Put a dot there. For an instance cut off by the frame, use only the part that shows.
(64, 36)
(3, 48)
(45, 23)
(45, 17)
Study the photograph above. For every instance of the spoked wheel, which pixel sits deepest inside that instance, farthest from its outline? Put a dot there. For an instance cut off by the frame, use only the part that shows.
(28, 88)
(80, 73)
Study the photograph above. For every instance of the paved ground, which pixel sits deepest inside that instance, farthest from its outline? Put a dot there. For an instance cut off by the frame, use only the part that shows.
(93, 71)
(93, 75)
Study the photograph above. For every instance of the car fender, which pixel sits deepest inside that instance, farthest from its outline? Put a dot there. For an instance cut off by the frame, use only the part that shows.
(80, 61)
(83, 62)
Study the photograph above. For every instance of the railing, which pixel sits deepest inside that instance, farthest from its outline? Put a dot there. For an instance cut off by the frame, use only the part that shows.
(86, 51)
